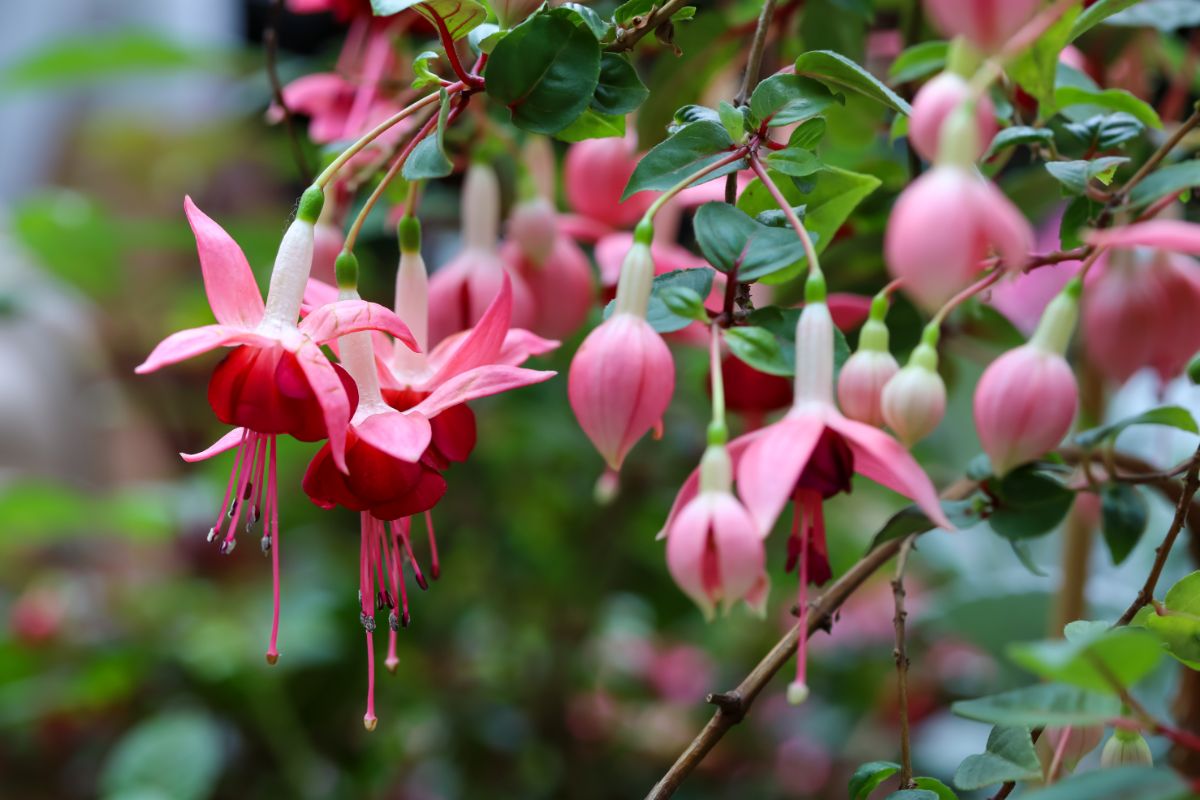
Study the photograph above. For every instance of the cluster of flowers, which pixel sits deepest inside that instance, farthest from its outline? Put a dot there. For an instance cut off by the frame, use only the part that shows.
(393, 407)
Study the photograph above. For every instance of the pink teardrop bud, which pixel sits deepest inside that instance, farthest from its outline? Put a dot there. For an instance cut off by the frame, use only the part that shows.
(863, 376)
(595, 172)
(988, 24)
(534, 227)
(934, 103)
(914, 401)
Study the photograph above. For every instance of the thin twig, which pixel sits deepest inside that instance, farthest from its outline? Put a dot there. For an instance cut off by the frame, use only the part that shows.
(271, 47)
(900, 653)
(1156, 157)
(758, 46)
(628, 37)
(1190, 483)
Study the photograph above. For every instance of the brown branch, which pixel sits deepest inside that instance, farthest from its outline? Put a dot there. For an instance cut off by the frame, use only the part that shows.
(733, 705)
(1190, 483)
(628, 37)
(900, 653)
(1156, 157)
(271, 47)
(757, 47)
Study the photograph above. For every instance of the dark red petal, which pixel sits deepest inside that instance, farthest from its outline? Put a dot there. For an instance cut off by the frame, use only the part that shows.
(454, 433)
(423, 496)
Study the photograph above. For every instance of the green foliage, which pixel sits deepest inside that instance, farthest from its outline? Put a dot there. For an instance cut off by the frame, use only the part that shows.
(761, 349)
(689, 149)
(1171, 416)
(459, 16)
(546, 71)
(1100, 132)
(788, 99)
(1029, 503)
(1092, 657)
(1074, 175)
(1165, 15)
(728, 236)
(428, 159)
(175, 754)
(794, 161)
(933, 789)
(1019, 134)
(834, 69)
(919, 60)
(1036, 69)
(1117, 783)
(1123, 516)
(911, 519)
(1097, 13)
(90, 58)
(593, 125)
(1010, 756)
(619, 89)
(1179, 625)
(1041, 705)
(1107, 99)
(659, 312)
(868, 776)
(1164, 181)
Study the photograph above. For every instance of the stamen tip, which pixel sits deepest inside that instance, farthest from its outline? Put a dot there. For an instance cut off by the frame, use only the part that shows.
(272, 658)
(369, 722)
(797, 692)
(392, 663)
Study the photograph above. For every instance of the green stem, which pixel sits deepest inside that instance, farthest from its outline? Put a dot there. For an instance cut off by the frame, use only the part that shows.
(718, 433)
(665, 197)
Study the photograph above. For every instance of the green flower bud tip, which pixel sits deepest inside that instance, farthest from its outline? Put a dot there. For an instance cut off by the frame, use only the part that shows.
(311, 203)
(1193, 369)
(644, 232)
(814, 287)
(345, 267)
(879, 307)
(931, 334)
(718, 432)
(409, 229)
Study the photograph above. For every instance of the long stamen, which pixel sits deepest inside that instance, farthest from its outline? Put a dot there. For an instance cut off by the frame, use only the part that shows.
(404, 537)
(434, 570)
(260, 464)
(366, 608)
(215, 530)
(243, 491)
(798, 691)
(271, 536)
(369, 720)
(404, 615)
(391, 557)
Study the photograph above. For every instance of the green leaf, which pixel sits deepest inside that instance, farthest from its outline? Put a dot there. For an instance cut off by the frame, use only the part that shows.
(794, 161)
(918, 61)
(425, 75)
(691, 148)
(73, 237)
(593, 125)
(1041, 705)
(1102, 131)
(1179, 627)
(868, 776)
(659, 313)
(619, 90)
(1020, 549)
(1123, 515)
(781, 322)
(545, 70)
(599, 27)
(1097, 13)
(834, 196)
(939, 790)
(836, 70)
(808, 134)
(1036, 69)
(175, 754)
(87, 59)
(459, 16)
(728, 236)
(693, 113)
(1010, 756)
(1171, 416)
(1164, 181)
(1019, 134)
(733, 120)
(1074, 175)
(633, 8)
(1080, 212)
(1128, 654)
(483, 37)
(759, 348)
(428, 159)
(1029, 503)
(1165, 15)
(911, 519)
(683, 301)
(1117, 783)
(787, 99)
(912, 794)
(1110, 99)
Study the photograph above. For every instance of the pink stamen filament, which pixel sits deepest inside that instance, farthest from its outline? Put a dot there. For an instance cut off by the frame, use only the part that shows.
(366, 609)
(434, 569)
(271, 534)
(399, 567)
(215, 531)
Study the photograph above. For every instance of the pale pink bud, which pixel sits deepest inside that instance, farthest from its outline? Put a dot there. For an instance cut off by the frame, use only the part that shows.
(934, 103)
(714, 550)
(988, 24)
(595, 173)
(1126, 748)
(562, 289)
(622, 376)
(534, 227)
(914, 401)
(327, 243)
(1026, 399)
(942, 228)
(861, 383)
(1079, 741)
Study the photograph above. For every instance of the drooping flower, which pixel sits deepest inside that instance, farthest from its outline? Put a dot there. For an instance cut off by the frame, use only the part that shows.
(275, 380)
(935, 101)
(914, 400)
(461, 290)
(944, 225)
(622, 376)
(1026, 399)
(809, 456)
(988, 24)
(714, 550)
(863, 376)
(595, 174)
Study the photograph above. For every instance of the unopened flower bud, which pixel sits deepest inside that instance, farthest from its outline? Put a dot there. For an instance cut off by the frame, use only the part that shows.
(988, 24)
(931, 109)
(534, 227)
(863, 376)
(1126, 748)
(914, 401)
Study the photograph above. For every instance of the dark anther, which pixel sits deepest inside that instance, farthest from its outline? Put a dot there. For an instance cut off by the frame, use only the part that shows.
(266, 545)
(393, 621)
(379, 601)
(388, 599)
(212, 534)
(405, 619)
(227, 546)
(368, 622)
(249, 489)
(424, 584)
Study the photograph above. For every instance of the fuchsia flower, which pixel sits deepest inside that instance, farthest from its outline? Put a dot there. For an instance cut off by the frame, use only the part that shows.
(276, 380)
(809, 456)
(622, 376)
(1141, 285)
(595, 174)
(988, 24)
(934, 103)
(461, 290)
(944, 225)
(863, 376)
(1026, 399)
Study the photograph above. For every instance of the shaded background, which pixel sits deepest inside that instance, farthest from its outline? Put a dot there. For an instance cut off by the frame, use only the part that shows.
(554, 658)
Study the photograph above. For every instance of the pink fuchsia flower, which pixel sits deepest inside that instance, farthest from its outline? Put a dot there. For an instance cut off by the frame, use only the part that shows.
(1023, 296)
(461, 290)
(1143, 284)
(934, 103)
(1026, 399)
(714, 550)
(988, 24)
(942, 228)
(863, 376)
(342, 9)
(563, 288)
(276, 380)
(622, 376)
(595, 174)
